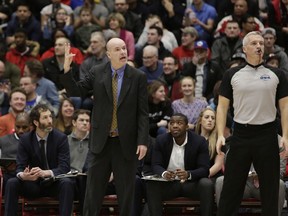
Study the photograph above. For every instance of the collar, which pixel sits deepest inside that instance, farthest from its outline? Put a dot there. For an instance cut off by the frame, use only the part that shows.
(73, 135)
(120, 71)
(16, 136)
(255, 66)
(39, 138)
(184, 143)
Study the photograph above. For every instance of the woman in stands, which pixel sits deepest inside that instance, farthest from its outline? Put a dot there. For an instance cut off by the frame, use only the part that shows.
(116, 22)
(189, 105)
(206, 127)
(64, 120)
(160, 109)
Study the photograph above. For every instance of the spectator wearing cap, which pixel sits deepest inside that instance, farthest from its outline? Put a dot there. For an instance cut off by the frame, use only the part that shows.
(202, 70)
(184, 52)
(272, 60)
(223, 48)
(269, 35)
(237, 59)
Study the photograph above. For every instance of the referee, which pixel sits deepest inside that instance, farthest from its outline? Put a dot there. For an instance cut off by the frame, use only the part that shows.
(253, 90)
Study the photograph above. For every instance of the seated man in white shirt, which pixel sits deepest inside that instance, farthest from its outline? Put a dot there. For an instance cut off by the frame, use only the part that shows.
(182, 159)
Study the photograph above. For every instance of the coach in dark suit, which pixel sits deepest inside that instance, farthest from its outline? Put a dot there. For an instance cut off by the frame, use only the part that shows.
(42, 153)
(181, 157)
(119, 125)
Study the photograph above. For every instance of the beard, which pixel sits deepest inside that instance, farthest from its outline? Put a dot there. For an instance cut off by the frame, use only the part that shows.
(45, 127)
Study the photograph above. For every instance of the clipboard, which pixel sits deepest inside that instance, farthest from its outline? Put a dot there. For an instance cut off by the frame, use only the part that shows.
(8, 165)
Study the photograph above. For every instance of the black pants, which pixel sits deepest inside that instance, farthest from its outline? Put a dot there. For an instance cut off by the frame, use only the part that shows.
(111, 159)
(202, 190)
(257, 144)
(63, 189)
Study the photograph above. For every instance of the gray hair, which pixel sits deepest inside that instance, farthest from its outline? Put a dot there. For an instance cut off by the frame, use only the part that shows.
(246, 38)
(98, 34)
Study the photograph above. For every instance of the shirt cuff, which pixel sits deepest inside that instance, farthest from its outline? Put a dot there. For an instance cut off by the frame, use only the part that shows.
(51, 172)
(190, 176)
(19, 176)
(164, 174)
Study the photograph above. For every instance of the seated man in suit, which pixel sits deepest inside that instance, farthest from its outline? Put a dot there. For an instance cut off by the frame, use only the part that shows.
(182, 159)
(42, 153)
(9, 145)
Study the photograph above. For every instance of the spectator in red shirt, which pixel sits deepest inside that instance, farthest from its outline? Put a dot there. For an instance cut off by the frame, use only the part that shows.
(22, 51)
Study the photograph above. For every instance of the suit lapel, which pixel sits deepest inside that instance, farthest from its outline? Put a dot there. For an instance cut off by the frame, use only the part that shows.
(36, 146)
(169, 148)
(107, 80)
(49, 147)
(126, 84)
(187, 148)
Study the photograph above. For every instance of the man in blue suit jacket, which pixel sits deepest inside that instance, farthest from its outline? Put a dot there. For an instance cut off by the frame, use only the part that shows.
(181, 158)
(33, 166)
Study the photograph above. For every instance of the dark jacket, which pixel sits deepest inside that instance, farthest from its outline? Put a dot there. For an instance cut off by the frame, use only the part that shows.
(58, 156)
(53, 72)
(158, 112)
(32, 27)
(132, 110)
(196, 156)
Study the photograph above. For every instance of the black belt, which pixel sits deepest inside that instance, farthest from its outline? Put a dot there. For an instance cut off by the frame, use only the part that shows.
(266, 125)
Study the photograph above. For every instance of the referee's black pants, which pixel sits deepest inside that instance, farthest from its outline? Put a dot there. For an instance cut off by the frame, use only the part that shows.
(257, 144)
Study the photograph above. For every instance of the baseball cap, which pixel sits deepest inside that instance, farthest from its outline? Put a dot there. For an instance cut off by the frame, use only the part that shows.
(201, 44)
(190, 30)
(269, 31)
(272, 56)
(238, 55)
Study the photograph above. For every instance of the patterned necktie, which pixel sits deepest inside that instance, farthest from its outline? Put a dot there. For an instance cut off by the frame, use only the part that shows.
(114, 91)
(43, 154)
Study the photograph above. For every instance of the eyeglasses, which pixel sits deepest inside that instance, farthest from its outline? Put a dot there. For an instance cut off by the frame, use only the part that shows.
(148, 57)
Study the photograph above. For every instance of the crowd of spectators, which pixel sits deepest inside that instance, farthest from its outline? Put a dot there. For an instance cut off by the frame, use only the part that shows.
(183, 47)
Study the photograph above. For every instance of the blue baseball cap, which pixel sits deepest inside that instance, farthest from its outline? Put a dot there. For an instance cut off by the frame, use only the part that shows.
(201, 44)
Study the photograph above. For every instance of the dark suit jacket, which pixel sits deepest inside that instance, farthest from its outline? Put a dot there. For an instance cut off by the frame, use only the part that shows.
(58, 155)
(8, 146)
(196, 156)
(132, 110)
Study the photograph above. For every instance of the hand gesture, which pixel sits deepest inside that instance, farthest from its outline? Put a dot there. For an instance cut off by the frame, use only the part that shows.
(168, 5)
(68, 57)
(5, 87)
(68, 20)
